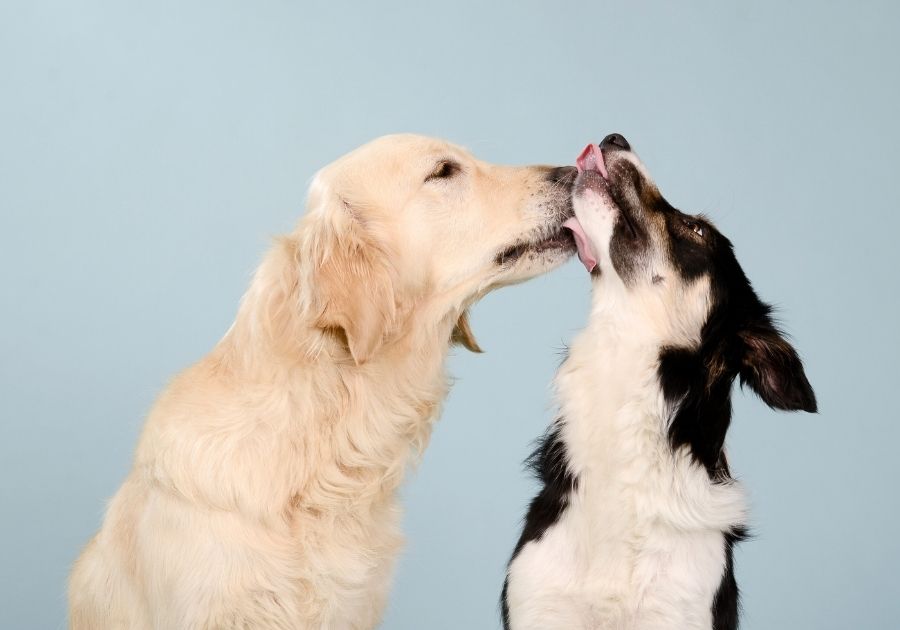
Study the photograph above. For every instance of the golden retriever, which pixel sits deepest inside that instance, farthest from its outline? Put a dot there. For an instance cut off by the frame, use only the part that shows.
(263, 491)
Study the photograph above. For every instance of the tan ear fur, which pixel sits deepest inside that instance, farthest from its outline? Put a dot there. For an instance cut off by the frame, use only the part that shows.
(354, 286)
(462, 334)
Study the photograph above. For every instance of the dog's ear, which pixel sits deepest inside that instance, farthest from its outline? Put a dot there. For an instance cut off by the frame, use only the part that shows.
(353, 282)
(462, 334)
(772, 368)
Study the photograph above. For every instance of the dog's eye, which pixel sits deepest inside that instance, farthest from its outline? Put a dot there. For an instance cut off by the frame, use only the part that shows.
(696, 228)
(445, 169)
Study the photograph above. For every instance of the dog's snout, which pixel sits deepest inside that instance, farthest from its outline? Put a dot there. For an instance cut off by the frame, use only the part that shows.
(615, 142)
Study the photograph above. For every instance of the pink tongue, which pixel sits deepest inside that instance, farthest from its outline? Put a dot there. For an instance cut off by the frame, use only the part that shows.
(585, 253)
(591, 159)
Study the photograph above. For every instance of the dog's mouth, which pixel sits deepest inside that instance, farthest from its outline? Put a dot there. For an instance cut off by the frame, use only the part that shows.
(592, 164)
(560, 240)
(594, 175)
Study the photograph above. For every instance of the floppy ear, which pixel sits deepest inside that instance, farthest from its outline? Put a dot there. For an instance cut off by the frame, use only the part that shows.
(462, 334)
(354, 286)
(771, 367)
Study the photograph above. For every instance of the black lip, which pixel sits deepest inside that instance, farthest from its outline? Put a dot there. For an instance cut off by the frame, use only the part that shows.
(564, 175)
(560, 239)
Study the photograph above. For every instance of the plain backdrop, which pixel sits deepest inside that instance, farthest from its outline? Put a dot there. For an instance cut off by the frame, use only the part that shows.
(150, 151)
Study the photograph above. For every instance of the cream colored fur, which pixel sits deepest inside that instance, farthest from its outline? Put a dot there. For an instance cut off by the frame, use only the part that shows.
(263, 491)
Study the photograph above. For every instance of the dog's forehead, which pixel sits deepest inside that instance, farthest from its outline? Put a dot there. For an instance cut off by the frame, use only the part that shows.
(381, 171)
(407, 149)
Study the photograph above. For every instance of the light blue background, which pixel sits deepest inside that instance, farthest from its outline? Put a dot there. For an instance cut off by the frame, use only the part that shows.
(149, 152)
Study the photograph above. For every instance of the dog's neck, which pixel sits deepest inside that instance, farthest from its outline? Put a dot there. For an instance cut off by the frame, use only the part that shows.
(616, 423)
(277, 327)
(392, 399)
(280, 343)
(609, 386)
(635, 370)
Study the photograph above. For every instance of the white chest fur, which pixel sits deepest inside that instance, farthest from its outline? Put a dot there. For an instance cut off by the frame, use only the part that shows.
(640, 544)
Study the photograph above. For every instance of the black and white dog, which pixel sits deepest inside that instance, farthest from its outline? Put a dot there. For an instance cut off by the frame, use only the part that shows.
(635, 523)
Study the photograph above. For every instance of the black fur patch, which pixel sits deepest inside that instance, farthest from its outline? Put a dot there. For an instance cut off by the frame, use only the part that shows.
(630, 239)
(726, 606)
(703, 413)
(737, 339)
(549, 463)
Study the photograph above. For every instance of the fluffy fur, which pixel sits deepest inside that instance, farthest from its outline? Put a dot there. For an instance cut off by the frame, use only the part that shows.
(634, 525)
(263, 491)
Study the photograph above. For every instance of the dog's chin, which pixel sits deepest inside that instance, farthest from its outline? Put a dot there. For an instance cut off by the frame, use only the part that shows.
(528, 258)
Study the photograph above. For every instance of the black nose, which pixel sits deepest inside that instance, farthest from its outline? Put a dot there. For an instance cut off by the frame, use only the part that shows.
(615, 142)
